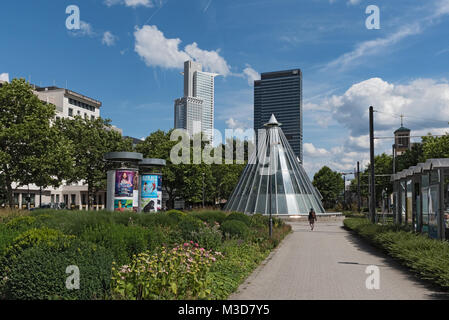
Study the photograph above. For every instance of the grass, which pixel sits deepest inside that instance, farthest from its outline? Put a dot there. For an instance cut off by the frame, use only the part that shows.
(427, 258)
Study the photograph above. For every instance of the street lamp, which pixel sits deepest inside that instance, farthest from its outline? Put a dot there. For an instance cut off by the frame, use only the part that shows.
(203, 187)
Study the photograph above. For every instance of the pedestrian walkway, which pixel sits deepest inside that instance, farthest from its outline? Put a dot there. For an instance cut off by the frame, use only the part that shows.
(329, 263)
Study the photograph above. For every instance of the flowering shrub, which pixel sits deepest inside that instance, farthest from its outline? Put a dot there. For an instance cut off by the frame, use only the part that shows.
(179, 273)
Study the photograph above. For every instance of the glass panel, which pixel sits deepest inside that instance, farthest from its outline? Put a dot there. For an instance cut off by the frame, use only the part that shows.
(433, 212)
(403, 201)
(302, 206)
(282, 204)
(409, 201)
(425, 209)
(446, 203)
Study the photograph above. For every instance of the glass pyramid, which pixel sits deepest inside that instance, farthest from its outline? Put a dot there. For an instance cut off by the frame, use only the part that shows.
(274, 171)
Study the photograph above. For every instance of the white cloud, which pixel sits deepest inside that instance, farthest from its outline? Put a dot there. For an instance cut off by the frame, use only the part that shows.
(251, 74)
(108, 39)
(4, 77)
(311, 151)
(353, 2)
(158, 51)
(373, 47)
(85, 30)
(130, 3)
(423, 102)
(211, 60)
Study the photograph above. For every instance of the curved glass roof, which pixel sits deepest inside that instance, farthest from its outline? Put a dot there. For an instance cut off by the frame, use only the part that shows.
(274, 172)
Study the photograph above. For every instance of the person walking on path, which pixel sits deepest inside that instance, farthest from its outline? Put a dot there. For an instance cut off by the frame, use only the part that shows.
(312, 218)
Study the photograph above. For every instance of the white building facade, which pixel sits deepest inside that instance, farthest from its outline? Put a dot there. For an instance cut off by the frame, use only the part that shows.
(72, 196)
(195, 111)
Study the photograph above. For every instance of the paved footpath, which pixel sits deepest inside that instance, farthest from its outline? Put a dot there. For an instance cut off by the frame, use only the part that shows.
(329, 263)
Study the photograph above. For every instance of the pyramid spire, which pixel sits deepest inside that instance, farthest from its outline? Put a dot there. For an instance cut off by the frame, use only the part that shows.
(274, 172)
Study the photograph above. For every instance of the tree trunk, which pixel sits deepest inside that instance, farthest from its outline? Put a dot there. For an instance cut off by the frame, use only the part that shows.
(9, 193)
(89, 198)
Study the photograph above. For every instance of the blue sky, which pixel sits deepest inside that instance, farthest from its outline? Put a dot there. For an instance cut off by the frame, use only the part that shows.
(129, 54)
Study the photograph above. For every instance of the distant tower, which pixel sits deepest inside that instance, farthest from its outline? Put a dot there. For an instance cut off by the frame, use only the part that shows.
(402, 139)
(280, 93)
(195, 111)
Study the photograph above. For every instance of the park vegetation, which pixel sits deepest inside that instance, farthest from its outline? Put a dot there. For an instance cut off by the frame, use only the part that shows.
(172, 255)
(427, 258)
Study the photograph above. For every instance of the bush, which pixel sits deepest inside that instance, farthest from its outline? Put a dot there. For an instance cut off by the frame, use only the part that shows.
(40, 272)
(21, 223)
(208, 237)
(180, 273)
(235, 228)
(210, 216)
(240, 217)
(176, 213)
(240, 259)
(7, 237)
(187, 225)
(123, 242)
(33, 237)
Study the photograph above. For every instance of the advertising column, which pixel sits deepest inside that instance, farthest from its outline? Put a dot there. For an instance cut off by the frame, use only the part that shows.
(149, 192)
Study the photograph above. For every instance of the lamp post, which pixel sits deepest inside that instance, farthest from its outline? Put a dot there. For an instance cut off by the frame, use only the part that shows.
(203, 188)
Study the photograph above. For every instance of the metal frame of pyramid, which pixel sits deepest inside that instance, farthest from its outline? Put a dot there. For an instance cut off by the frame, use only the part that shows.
(274, 170)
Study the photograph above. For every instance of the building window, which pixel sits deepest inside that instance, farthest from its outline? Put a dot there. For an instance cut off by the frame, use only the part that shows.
(70, 112)
(92, 118)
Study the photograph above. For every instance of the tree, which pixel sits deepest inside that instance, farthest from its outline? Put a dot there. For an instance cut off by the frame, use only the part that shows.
(410, 157)
(435, 147)
(185, 180)
(31, 150)
(91, 139)
(330, 184)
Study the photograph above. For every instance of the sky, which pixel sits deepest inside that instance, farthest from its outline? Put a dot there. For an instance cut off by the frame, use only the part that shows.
(129, 55)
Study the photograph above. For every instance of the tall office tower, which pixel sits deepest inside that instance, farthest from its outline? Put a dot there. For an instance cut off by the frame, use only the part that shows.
(280, 93)
(195, 111)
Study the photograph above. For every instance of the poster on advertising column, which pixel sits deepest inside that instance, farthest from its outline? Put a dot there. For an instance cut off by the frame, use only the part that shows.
(125, 190)
(149, 193)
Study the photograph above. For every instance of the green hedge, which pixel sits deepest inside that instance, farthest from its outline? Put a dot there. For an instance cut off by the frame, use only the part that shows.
(426, 257)
(235, 228)
(39, 273)
(240, 217)
(122, 241)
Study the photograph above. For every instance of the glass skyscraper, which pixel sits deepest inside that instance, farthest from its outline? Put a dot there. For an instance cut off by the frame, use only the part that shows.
(195, 111)
(280, 93)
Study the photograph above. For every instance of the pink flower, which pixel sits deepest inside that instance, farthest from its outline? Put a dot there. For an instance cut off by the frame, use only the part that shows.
(186, 244)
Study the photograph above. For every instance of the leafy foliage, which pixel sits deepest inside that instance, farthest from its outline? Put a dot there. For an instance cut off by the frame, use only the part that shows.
(330, 184)
(424, 256)
(179, 273)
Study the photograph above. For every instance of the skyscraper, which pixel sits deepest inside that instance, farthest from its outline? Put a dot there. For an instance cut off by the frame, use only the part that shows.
(195, 111)
(280, 93)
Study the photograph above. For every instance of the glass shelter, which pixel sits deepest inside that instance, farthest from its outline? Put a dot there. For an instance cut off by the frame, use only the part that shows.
(274, 181)
(421, 195)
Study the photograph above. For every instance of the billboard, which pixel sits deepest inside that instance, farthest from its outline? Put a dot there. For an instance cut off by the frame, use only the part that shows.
(126, 193)
(124, 183)
(149, 193)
